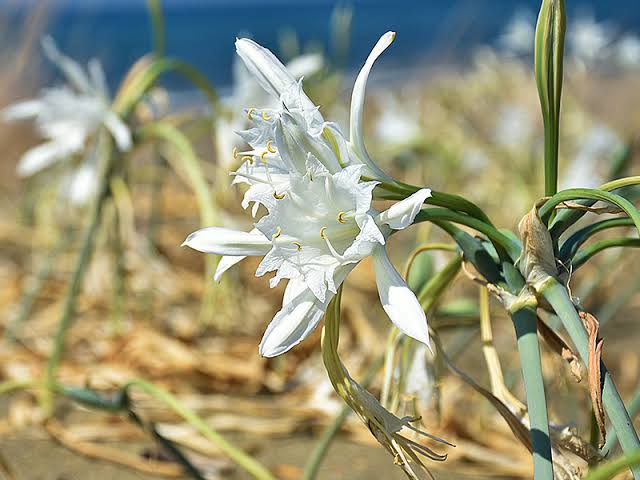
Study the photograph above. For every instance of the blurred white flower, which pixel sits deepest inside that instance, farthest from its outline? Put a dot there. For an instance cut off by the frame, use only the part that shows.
(314, 235)
(514, 126)
(589, 167)
(68, 116)
(628, 51)
(519, 35)
(588, 40)
(397, 123)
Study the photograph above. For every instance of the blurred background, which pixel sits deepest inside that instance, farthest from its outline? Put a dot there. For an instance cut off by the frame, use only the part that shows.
(452, 105)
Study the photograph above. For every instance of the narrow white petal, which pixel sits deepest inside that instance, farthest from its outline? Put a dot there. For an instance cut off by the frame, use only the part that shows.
(356, 127)
(398, 300)
(22, 110)
(119, 130)
(84, 184)
(400, 215)
(41, 157)
(294, 322)
(223, 241)
(72, 70)
(98, 78)
(225, 263)
(265, 67)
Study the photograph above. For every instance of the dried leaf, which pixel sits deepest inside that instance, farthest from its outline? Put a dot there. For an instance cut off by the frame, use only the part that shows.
(594, 373)
(558, 345)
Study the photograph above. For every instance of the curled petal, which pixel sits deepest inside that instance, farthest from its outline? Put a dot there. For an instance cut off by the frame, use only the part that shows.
(223, 241)
(356, 126)
(305, 65)
(225, 263)
(297, 319)
(398, 300)
(400, 215)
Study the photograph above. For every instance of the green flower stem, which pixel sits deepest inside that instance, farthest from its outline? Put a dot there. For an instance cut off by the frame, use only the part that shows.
(590, 194)
(620, 183)
(633, 409)
(525, 322)
(586, 253)
(610, 469)
(245, 461)
(319, 452)
(499, 239)
(79, 271)
(400, 191)
(557, 295)
(570, 247)
(569, 217)
(129, 97)
(157, 26)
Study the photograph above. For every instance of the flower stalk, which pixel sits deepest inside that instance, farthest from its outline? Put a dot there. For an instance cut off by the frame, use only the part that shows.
(549, 51)
(556, 294)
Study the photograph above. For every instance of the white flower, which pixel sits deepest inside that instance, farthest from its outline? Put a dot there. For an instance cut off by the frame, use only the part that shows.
(247, 91)
(69, 115)
(282, 137)
(628, 51)
(588, 40)
(519, 35)
(314, 235)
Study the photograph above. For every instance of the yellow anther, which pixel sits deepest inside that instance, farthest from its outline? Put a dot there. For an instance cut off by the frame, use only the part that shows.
(235, 152)
(266, 116)
(249, 112)
(277, 234)
(341, 217)
(270, 147)
(262, 156)
(298, 246)
(322, 230)
(278, 196)
(248, 158)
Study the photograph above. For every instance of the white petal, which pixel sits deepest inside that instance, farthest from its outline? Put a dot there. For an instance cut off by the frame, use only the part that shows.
(225, 263)
(42, 156)
(84, 184)
(119, 130)
(398, 300)
(356, 127)
(98, 78)
(265, 67)
(294, 322)
(223, 241)
(305, 65)
(400, 215)
(72, 70)
(21, 110)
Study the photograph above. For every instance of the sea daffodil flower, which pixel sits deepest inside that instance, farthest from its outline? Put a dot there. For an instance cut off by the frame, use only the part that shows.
(297, 127)
(69, 115)
(314, 235)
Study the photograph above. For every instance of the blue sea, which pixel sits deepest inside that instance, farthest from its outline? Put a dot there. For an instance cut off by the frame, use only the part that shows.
(202, 32)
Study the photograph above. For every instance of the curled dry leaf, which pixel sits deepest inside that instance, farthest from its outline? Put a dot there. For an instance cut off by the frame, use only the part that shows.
(594, 373)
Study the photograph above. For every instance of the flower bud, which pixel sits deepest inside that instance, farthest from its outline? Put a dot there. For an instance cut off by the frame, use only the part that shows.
(537, 261)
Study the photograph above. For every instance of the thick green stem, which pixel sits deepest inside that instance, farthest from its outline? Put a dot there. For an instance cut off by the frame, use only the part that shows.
(319, 452)
(633, 409)
(525, 322)
(557, 295)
